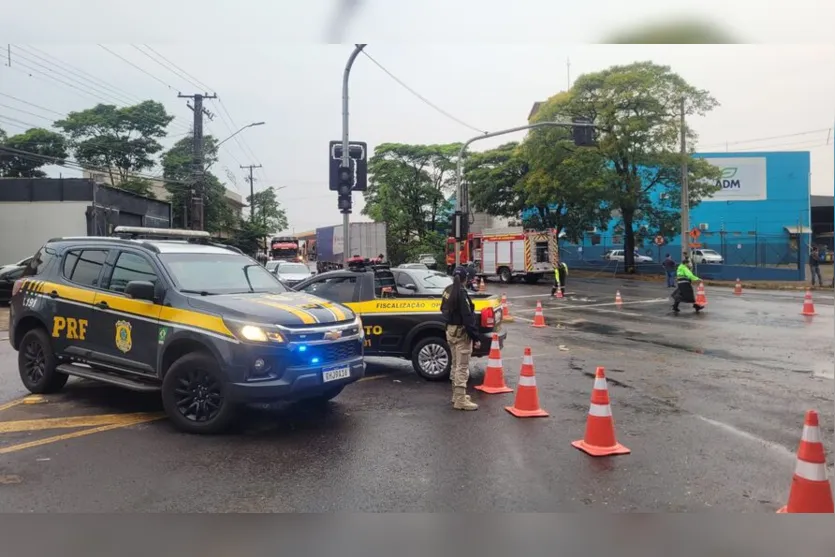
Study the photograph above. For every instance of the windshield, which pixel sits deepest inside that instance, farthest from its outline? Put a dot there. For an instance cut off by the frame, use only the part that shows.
(432, 279)
(219, 273)
(709, 252)
(293, 269)
(271, 265)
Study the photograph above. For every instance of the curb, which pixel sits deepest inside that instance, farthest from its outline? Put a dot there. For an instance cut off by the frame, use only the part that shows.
(754, 285)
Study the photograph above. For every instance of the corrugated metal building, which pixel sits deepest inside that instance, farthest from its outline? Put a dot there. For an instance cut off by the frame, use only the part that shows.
(33, 210)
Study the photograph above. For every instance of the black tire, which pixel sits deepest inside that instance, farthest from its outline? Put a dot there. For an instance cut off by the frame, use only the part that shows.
(197, 375)
(428, 354)
(36, 363)
(505, 276)
(532, 278)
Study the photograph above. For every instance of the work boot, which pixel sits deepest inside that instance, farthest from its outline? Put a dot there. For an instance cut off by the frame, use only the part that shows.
(675, 308)
(461, 400)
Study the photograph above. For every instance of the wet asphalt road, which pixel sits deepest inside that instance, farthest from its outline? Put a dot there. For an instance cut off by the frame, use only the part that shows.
(711, 406)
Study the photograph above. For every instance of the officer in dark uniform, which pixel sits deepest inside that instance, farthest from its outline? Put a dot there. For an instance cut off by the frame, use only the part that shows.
(461, 335)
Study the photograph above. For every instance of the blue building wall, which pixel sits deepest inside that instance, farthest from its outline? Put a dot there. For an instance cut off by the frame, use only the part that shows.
(765, 196)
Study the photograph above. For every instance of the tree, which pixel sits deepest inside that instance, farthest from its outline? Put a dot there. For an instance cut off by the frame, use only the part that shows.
(178, 172)
(120, 141)
(43, 147)
(269, 215)
(636, 109)
(408, 190)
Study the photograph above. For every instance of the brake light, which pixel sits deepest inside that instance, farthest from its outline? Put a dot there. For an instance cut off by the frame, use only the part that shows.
(16, 287)
(488, 318)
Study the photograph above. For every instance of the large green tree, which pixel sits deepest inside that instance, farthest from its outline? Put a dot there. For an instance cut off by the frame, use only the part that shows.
(636, 109)
(178, 173)
(408, 189)
(268, 213)
(119, 141)
(42, 147)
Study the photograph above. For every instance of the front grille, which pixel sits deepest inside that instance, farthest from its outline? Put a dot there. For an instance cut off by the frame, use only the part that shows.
(299, 334)
(325, 354)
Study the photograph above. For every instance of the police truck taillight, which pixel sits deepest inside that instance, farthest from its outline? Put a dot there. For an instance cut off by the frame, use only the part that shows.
(16, 287)
(488, 319)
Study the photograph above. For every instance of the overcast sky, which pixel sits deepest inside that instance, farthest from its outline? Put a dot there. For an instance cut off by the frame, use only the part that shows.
(782, 92)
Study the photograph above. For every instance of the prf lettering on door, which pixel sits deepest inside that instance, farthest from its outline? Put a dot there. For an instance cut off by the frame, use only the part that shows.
(70, 327)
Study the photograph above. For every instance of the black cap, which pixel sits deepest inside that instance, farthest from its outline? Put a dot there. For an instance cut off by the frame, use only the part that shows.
(460, 271)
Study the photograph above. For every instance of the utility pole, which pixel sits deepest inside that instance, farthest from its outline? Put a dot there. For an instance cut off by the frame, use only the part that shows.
(197, 214)
(251, 190)
(685, 194)
(346, 157)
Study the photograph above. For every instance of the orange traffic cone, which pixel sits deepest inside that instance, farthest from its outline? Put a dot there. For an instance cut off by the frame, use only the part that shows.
(600, 427)
(506, 310)
(618, 299)
(526, 404)
(494, 374)
(738, 288)
(481, 286)
(808, 305)
(810, 491)
(701, 299)
(558, 293)
(538, 318)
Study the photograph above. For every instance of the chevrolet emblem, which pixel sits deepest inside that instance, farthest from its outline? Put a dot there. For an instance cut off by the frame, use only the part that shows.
(333, 335)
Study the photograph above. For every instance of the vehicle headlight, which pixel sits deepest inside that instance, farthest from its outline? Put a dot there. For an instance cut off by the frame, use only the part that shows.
(360, 328)
(257, 333)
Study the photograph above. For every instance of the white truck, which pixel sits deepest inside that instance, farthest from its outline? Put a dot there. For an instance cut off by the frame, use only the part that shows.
(513, 252)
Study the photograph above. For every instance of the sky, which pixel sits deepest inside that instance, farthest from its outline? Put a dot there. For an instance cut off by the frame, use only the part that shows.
(483, 75)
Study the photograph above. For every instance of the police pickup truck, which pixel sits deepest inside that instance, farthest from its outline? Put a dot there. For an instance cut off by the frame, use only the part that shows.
(402, 326)
(166, 310)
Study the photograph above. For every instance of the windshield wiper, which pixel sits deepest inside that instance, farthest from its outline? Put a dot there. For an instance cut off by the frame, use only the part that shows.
(201, 292)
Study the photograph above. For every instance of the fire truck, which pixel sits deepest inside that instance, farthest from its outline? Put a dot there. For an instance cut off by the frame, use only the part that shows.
(509, 253)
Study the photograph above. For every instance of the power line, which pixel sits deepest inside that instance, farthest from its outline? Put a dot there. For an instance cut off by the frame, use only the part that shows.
(53, 78)
(33, 104)
(758, 139)
(192, 79)
(137, 67)
(26, 112)
(120, 99)
(160, 64)
(421, 97)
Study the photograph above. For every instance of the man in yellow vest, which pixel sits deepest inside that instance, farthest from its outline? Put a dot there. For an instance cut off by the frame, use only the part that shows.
(560, 275)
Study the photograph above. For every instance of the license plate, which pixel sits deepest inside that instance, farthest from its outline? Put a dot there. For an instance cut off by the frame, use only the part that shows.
(336, 373)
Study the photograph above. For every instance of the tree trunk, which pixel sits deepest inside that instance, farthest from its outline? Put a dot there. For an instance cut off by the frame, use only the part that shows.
(628, 241)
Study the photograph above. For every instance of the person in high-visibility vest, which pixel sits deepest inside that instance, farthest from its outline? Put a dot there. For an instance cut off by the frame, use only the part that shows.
(684, 290)
(560, 276)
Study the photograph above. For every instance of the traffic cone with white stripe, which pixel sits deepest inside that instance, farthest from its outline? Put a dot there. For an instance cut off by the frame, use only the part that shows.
(600, 427)
(618, 299)
(701, 298)
(494, 374)
(481, 286)
(538, 317)
(810, 491)
(808, 304)
(738, 288)
(506, 310)
(559, 293)
(526, 404)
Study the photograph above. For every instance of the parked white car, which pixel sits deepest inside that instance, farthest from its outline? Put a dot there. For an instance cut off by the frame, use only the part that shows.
(427, 259)
(617, 255)
(707, 256)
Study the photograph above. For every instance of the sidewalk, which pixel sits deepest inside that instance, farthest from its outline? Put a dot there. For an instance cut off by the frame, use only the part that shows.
(826, 273)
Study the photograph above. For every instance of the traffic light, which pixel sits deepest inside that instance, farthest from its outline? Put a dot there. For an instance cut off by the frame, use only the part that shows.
(583, 135)
(460, 225)
(345, 184)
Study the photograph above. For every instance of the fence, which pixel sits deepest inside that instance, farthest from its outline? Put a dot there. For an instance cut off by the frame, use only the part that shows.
(748, 256)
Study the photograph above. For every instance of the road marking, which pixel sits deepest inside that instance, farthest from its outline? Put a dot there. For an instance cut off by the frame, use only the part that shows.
(75, 421)
(4, 338)
(750, 437)
(371, 378)
(64, 437)
(11, 404)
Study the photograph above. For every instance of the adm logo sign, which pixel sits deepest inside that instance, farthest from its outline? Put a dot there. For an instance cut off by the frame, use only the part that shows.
(743, 179)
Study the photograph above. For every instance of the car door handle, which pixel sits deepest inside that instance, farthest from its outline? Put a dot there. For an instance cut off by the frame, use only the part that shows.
(102, 305)
(53, 294)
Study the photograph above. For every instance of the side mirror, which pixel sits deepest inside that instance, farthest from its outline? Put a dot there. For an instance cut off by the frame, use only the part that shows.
(141, 290)
(410, 286)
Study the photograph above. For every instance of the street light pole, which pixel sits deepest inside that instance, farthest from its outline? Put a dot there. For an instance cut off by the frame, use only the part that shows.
(346, 229)
(685, 190)
(459, 189)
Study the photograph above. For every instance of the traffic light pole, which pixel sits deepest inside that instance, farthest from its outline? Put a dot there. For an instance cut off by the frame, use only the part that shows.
(346, 156)
(462, 201)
